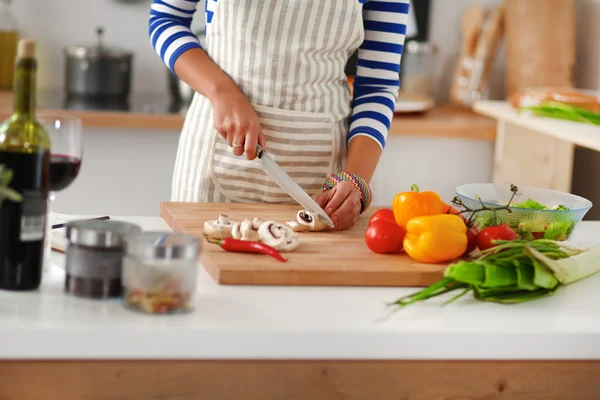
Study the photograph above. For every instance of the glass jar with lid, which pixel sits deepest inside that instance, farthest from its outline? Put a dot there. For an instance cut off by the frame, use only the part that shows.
(8, 45)
(94, 257)
(159, 272)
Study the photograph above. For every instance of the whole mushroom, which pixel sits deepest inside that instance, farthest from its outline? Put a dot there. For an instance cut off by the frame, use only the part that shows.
(278, 236)
(307, 221)
(219, 228)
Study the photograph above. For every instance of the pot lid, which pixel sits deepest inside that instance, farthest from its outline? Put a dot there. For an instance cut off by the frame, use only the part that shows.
(99, 50)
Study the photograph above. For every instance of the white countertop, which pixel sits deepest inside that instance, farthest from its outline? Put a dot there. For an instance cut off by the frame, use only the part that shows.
(235, 322)
(580, 134)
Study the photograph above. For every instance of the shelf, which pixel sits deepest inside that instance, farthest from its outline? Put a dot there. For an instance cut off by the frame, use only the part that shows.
(154, 112)
(445, 121)
(580, 134)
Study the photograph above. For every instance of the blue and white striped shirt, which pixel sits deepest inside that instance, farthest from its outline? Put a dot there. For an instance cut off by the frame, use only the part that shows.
(377, 77)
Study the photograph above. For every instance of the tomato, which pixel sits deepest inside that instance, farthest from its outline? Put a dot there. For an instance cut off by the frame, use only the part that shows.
(500, 232)
(471, 241)
(385, 236)
(384, 213)
(538, 235)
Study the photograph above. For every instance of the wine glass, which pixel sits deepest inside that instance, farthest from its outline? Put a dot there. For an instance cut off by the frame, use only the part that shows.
(66, 152)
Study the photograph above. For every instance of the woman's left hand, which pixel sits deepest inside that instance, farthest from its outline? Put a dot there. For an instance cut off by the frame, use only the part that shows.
(342, 204)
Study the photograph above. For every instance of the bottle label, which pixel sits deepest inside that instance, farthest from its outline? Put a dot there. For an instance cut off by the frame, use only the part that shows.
(33, 218)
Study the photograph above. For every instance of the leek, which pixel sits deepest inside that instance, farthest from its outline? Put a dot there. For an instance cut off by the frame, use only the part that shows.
(514, 271)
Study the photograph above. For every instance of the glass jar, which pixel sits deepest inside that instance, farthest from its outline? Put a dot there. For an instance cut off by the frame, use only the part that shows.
(159, 272)
(418, 68)
(94, 257)
(8, 45)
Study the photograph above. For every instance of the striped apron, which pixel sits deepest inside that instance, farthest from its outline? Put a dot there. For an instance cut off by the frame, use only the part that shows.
(288, 59)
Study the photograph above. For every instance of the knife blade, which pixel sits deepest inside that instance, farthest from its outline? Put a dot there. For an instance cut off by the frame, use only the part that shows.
(278, 174)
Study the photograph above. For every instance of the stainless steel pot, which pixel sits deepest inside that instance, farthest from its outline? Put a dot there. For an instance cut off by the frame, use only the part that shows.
(98, 71)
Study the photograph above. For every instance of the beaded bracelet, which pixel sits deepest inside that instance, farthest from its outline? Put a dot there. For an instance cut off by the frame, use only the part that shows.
(359, 183)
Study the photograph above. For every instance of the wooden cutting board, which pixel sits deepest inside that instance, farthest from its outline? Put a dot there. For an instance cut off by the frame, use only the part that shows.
(322, 259)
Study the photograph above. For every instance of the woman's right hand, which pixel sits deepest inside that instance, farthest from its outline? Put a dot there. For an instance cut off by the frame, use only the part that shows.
(236, 121)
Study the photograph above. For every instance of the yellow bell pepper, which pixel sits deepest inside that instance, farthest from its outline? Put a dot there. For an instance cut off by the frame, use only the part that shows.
(435, 238)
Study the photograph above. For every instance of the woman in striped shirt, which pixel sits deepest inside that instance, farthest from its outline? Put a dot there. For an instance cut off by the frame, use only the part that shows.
(272, 74)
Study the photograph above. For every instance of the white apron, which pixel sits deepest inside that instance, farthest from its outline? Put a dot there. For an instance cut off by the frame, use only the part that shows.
(288, 58)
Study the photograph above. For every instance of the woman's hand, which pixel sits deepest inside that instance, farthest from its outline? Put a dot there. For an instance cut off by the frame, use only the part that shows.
(342, 204)
(236, 121)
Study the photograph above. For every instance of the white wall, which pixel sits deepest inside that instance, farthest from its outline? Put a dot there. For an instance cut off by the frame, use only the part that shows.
(588, 44)
(58, 23)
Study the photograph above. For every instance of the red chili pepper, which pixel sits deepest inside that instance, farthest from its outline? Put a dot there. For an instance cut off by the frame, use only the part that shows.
(246, 246)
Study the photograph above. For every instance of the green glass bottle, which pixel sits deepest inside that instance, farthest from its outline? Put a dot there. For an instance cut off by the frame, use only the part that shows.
(25, 150)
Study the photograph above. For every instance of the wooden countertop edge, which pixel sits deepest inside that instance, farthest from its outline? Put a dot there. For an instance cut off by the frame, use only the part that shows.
(443, 121)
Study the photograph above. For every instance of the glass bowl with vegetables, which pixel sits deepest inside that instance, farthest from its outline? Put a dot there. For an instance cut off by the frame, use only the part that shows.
(531, 212)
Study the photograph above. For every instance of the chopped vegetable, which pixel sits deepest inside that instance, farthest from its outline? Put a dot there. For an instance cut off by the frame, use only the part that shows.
(247, 229)
(278, 236)
(408, 205)
(531, 204)
(514, 272)
(436, 238)
(244, 246)
(530, 229)
(385, 236)
(219, 228)
(307, 221)
(534, 205)
(159, 301)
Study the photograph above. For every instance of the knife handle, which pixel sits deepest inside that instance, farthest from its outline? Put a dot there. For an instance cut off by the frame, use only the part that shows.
(259, 151)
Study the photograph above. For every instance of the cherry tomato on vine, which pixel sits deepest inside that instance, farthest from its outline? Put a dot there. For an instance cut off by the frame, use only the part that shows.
(471, 240)
(385, 236)
(500, 232)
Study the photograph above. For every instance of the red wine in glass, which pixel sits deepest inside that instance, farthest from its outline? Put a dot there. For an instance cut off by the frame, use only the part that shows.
(63, 171)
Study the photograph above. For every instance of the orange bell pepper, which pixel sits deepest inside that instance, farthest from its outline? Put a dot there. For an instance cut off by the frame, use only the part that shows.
(436, 238)
(408, 205)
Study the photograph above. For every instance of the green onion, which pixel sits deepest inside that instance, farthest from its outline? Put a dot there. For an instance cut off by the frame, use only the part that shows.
(555, 109)
(514, 271)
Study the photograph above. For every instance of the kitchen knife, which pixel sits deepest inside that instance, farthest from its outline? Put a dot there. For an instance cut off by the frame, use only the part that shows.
(278, 174)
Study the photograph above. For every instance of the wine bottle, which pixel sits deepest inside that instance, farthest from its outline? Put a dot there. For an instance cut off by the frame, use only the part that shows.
(25, 150)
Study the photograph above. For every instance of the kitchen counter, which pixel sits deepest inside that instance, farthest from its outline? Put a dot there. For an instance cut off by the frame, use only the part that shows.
(160, 112)
(280, 342)
(249, 322)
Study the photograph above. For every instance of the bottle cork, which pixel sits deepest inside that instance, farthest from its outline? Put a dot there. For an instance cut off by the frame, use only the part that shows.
(26, 49)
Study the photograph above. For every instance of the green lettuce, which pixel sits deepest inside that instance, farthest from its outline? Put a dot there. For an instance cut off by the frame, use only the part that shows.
(530, 204)
(559, 230)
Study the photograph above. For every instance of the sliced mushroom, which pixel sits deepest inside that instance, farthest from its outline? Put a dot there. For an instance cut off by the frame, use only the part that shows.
(236, 232)
(307, 221)
(278, 236)
(248, 229)
(220, 228)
